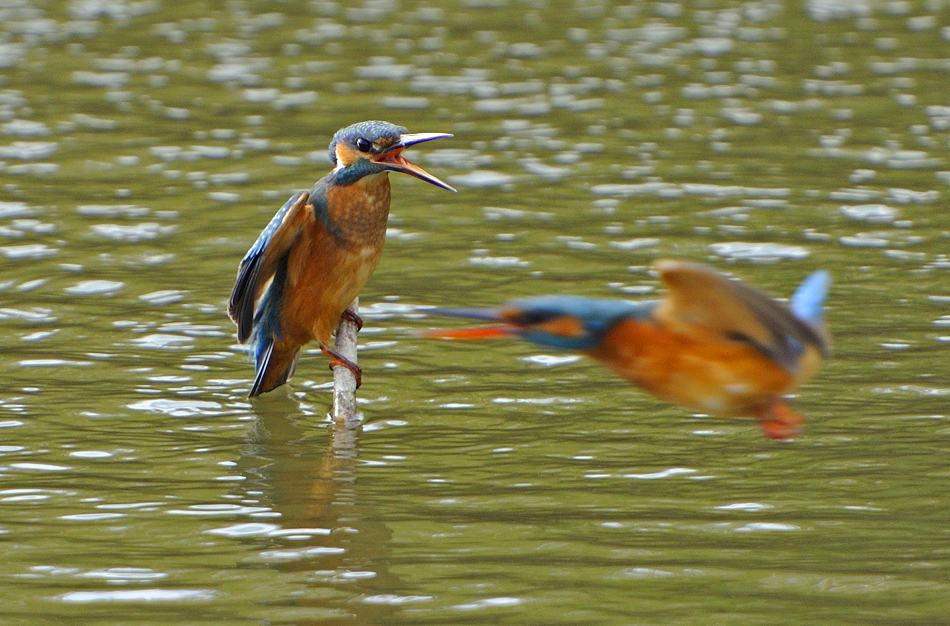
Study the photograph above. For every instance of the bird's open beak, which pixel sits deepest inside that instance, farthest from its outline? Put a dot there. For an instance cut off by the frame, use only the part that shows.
(393, 160)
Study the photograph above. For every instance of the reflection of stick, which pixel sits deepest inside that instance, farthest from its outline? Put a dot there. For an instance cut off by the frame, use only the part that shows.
(344, 383)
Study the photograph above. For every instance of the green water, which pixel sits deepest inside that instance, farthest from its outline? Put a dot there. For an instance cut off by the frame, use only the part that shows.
(145, 144)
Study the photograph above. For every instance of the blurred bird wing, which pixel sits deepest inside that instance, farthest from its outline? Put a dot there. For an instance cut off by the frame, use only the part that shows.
(701, 301)
(260, 262)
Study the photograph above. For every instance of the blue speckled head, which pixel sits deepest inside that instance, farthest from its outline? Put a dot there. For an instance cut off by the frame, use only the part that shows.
(595, 315)
(372, 131)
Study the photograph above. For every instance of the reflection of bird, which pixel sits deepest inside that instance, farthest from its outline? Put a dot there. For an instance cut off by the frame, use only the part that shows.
(713, 344)
(318, 251)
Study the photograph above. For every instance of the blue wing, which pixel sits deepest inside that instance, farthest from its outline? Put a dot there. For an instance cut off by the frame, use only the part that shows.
(260, 262)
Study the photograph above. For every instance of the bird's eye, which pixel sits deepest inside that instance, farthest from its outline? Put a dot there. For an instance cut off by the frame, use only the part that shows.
(532, 317)
(363, 145)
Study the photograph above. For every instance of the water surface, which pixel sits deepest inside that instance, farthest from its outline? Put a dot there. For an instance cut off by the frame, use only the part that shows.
(143, 147)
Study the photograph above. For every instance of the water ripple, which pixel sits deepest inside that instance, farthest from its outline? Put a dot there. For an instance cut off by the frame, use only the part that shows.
(552, 360)
(394, 600)
(35, 314)
(871, 213)
(28, 251)
(112, 210)
(15, 209)
(744, 506)
(302, 553)
(766, 527)
(95, 287)
(489, 603)
(244, 530)
(29, 150)
(119, 574)
(164, 296)
(146, 231)
(53, 363)
(138, 595)
(219, 509)
(762, 252)
(41, 467)
(91, 517)
(164, 341)
(479, 179)
(177, 408)
(667, 473)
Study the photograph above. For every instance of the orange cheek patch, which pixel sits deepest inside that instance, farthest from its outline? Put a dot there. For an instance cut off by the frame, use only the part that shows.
(344, 154)
(563, 327)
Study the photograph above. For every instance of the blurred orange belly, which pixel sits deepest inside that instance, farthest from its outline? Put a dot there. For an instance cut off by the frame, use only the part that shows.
(711, 376)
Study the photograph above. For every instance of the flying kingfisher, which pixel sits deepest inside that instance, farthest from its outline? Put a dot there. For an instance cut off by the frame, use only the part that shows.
(319, 250)
(712, 344)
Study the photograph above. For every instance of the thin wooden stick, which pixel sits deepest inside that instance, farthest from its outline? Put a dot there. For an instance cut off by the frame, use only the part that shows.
(345, 413)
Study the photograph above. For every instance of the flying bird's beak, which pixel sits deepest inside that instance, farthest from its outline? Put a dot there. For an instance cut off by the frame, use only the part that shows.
(393, 160)
(484, 332)
(471, 334)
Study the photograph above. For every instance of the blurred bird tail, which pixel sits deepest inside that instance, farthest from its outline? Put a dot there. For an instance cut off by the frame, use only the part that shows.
(808, 301)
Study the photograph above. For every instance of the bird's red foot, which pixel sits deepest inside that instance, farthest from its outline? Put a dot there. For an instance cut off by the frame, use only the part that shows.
(778, 421)
(338, 359)
(348, 314)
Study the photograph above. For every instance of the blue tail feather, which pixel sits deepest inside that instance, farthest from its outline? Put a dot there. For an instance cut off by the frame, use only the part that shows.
(262, 359)
(267, 327)
(809, 299)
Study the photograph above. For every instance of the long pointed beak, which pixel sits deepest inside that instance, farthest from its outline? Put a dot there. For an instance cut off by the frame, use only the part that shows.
(393, 160)
(484, 332)
(472, 334)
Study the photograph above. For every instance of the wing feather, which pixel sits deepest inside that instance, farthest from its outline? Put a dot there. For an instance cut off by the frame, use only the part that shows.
(259, 264)
(702, 300)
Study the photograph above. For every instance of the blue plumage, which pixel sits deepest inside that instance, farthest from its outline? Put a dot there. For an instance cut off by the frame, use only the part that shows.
(241, 305)
(264, 238)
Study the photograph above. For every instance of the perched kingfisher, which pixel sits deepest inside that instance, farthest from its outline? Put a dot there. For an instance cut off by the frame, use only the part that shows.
(319, 250)
(712, 344)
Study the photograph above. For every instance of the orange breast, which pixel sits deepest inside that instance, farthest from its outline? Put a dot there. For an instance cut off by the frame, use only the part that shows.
(328, 267)
(704, 374)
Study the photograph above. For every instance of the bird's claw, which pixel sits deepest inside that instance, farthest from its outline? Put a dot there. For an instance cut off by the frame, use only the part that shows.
(348, 314)
(338, 359)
